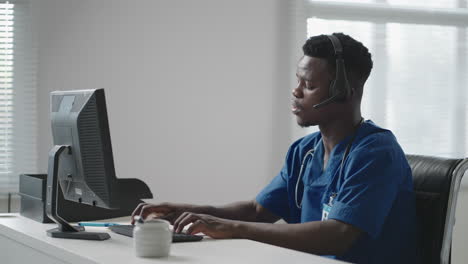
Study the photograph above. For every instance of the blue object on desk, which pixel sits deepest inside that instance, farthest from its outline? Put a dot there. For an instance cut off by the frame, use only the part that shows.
(96, 224)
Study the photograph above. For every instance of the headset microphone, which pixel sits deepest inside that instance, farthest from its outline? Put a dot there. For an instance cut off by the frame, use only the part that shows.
(324, 103)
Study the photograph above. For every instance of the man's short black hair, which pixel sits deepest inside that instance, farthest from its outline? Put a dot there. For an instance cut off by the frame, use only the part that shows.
(358, 61)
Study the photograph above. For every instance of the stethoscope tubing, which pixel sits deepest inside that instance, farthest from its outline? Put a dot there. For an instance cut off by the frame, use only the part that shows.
(311, 153)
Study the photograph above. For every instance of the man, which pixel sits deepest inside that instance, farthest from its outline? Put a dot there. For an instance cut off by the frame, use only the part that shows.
(345, 191)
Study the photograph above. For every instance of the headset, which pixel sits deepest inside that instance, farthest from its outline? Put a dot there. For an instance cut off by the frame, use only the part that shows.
(339, 87)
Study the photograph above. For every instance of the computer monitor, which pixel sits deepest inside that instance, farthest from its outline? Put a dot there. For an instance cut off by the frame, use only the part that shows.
(81, 161)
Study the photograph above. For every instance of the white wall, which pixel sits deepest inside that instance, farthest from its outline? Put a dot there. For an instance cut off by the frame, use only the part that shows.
(196, 91)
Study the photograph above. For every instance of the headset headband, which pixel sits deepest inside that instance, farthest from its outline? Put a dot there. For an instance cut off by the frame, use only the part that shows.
(336, 46)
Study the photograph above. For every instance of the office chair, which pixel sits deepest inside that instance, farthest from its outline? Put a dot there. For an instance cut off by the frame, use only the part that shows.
(436, 185)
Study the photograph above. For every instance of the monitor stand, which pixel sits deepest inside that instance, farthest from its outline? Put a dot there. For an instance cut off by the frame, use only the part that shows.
(64, 229)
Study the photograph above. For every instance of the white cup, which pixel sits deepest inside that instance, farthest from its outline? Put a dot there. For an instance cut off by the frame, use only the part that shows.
(152, 238)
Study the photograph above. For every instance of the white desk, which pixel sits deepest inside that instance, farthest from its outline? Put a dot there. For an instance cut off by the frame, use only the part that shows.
(23, 240)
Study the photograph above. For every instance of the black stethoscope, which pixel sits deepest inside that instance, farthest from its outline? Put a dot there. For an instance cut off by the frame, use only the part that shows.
(311, 153)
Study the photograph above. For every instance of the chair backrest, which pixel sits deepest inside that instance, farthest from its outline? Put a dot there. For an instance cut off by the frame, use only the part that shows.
(436, 184)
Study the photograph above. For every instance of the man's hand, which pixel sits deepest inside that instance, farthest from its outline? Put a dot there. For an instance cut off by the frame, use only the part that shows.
(209, 225)
(167, 211)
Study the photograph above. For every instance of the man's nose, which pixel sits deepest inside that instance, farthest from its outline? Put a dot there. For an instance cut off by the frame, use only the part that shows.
(297, 91)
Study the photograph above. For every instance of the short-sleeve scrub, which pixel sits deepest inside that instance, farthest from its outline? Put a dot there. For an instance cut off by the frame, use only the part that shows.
(373, 192)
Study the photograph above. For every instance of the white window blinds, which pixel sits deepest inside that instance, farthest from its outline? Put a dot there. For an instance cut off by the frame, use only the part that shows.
(6, 93)
(17, 96)
(418, 85)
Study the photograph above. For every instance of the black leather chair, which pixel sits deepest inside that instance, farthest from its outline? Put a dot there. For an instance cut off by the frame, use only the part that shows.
(436, 184)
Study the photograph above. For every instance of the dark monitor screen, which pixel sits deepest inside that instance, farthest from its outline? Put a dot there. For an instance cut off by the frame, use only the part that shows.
(86, 174)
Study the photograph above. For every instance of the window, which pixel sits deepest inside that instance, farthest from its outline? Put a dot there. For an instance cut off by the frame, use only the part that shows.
(418, 84)
(6, 92)
(17, 96)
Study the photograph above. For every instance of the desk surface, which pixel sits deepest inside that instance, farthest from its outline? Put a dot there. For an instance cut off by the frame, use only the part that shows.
(24, 238)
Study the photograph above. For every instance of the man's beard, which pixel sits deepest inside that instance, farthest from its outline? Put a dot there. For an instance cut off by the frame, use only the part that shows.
(305, 125)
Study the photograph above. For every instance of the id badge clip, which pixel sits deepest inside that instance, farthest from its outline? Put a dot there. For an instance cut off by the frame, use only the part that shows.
(327, 207)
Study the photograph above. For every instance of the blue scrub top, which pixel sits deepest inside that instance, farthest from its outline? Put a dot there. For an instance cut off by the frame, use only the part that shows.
(374, 193)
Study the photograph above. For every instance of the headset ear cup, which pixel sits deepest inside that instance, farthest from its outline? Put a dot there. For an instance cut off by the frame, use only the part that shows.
(341, 88)
(338, 90)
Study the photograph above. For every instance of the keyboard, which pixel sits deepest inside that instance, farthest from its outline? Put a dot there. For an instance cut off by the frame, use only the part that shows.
(127, 230)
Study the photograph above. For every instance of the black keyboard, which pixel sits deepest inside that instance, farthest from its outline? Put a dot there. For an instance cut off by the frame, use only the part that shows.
(127, 230)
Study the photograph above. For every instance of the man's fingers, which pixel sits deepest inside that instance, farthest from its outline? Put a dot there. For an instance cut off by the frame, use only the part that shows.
(144, 209)
(189, 218)
(178, 220)
(137, 209)
(197, 227)
(137, 212)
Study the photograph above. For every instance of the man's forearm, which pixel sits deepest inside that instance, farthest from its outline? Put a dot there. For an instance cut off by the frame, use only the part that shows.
(319, 237)
(242, 211)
